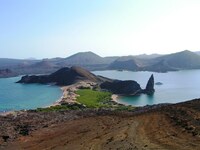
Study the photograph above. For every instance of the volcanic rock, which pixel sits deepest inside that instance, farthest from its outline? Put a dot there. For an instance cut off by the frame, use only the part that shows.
(150, 86)
(128, 87)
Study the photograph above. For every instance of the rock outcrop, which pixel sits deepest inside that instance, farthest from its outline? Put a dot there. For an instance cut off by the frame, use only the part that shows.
(150, 86)
(128, 87)
(64, 76)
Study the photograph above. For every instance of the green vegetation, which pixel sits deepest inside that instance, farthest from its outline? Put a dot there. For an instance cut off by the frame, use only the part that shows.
(89, 99)
(93, 99)
(57, 108)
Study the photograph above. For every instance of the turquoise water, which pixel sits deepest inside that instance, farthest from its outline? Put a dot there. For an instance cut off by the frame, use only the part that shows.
(177, 86)
(15, 96)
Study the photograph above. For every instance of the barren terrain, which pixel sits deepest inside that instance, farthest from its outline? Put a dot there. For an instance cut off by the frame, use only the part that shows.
(165, 127)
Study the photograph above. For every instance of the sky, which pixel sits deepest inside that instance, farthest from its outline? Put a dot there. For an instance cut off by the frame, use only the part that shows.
(60, 28)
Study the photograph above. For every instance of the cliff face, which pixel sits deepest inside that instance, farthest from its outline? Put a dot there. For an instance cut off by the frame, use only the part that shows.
(128, 87)
(150, 86)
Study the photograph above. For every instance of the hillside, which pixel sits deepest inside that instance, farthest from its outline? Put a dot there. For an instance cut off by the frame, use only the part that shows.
(64, 76)
(13, 63)
(44, 64)
(172, 62)
(91, 61)
(182, 60)
(124, 63)
(160, 66)
(163, 127)
(145, 56)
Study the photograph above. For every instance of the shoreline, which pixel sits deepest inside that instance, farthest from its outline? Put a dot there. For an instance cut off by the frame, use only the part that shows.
(69, 92)
(68, 96)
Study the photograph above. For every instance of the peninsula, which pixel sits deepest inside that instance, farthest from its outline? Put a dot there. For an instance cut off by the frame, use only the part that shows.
(77, 77)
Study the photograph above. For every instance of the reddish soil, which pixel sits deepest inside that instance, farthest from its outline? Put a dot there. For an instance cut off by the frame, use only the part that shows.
(169, 127)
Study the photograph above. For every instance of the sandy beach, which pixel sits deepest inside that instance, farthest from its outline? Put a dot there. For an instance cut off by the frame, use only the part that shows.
(115, 98)
(69, 95)
(69, 92)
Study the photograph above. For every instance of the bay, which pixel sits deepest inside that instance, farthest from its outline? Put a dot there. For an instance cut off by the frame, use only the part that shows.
(16, 96)
(177, 86)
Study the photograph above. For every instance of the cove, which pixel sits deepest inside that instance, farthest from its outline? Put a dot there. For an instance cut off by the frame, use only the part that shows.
(15, 96)
(177, 86)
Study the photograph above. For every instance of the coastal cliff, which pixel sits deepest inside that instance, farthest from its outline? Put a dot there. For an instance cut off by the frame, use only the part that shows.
(69, 76)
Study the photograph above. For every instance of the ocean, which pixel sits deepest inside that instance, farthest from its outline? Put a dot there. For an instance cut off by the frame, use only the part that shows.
(16, 96)
(177, 86)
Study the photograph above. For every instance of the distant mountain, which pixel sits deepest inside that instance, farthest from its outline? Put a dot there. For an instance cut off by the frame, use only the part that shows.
(177, 61)
(91, 61)
(7, 62)
(160, 66)
(86, 58)
(124, 63)
(44, 64)
(145, 56)
(172, 62)
(110, 59)
(182, 60)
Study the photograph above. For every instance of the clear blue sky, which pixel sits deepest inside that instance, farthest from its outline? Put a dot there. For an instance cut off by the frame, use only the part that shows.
(59, 28)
